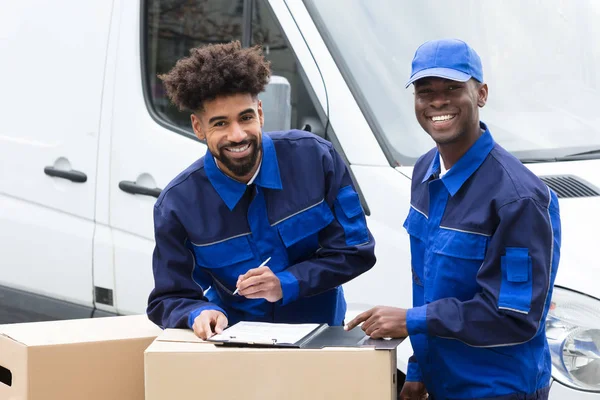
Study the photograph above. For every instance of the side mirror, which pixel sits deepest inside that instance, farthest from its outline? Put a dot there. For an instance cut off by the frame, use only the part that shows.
(276, 104)
(313, 125)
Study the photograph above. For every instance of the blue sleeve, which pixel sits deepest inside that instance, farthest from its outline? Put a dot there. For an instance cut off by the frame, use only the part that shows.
(176, 299)
(516, 278)
(413, 373)
(347, 247)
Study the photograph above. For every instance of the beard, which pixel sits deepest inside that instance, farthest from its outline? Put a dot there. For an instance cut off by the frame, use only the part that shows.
(240, 167)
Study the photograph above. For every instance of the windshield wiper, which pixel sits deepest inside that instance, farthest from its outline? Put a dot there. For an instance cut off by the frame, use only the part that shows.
(538, 160)
(584, 153)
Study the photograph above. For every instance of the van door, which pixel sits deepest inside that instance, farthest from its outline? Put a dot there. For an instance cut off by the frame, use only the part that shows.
(151, 140)
(53, 56)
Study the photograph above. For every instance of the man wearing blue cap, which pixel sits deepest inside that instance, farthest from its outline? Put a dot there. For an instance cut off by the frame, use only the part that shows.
(485, 243)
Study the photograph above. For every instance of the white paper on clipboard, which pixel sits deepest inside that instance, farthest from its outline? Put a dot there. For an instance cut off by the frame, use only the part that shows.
(264, 332)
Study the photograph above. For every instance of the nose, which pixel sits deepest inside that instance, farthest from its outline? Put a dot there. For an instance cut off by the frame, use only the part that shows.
(236, 134)
(439, 99)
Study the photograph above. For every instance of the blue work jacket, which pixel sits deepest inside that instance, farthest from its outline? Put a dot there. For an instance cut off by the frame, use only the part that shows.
(485, 245)
(301, 210)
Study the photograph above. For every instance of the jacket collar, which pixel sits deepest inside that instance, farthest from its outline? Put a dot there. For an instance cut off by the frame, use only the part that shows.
(230, 190)
(466, 165)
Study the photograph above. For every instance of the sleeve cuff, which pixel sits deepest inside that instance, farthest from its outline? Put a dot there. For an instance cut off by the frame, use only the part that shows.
(413, 373)
(289, 287)
(416, 320)
(194, 314)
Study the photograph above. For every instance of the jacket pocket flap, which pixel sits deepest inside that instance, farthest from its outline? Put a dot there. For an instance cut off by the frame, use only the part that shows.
(517, 264)
(416, 224)
(459, 244)
(517, 286)
(223, 253)
(349, 202)
(304, 223)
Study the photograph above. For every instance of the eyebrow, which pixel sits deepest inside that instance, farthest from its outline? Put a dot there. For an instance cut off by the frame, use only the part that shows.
(217, 118)
(222, 117)
(246, 111)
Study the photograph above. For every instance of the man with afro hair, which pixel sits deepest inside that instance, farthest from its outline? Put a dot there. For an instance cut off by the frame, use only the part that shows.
(263, 227)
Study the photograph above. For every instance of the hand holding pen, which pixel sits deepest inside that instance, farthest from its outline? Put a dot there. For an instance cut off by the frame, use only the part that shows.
(260, 283)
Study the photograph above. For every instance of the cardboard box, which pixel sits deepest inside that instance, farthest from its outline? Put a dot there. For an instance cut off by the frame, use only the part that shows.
(180, 366)
(101, 358)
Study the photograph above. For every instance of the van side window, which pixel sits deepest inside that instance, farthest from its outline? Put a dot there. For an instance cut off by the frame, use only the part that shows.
(267, 32)
(173, 27)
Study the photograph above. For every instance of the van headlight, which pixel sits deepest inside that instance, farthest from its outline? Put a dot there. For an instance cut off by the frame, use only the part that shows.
(573, 331)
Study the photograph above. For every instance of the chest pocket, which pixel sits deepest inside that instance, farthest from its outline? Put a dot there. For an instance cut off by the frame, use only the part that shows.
(416, 225)
(223, 253)
(299, 232)
(455, 260)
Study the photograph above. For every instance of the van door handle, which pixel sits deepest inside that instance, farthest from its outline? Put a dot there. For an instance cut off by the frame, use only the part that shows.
(72, 175)
(134, 188)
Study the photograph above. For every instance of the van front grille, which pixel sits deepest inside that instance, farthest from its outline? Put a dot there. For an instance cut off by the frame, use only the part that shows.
(569, 186)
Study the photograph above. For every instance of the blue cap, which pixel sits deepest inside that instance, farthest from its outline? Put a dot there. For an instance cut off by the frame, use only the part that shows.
(447, 58)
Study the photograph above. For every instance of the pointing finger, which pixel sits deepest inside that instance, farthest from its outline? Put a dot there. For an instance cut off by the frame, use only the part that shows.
(358, 319)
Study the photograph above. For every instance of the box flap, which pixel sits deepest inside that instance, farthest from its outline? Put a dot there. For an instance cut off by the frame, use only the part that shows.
(382, 344)
(100, 370)
(8, 337)
(185, 341)
(180, 335)
(329, 341)
(81, 330)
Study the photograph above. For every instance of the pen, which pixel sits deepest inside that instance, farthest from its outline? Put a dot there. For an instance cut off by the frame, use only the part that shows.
(261, 265)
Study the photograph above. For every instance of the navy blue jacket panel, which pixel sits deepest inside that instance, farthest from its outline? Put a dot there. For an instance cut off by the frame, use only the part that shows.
(302, 211)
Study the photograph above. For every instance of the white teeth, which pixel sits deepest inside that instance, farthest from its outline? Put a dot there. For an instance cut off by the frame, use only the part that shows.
(442, 118)
(238, 149)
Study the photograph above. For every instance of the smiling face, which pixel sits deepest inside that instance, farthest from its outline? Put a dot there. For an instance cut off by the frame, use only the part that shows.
(232, 128)
(448, 110)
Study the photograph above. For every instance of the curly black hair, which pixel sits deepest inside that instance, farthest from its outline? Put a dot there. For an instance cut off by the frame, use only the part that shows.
(216, 70)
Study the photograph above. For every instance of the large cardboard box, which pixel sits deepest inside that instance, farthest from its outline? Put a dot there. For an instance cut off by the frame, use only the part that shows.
(180, 366)
(101, 358)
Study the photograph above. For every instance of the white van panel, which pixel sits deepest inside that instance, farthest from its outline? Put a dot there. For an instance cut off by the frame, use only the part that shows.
(387, 193)
(53, 70)
(144, 152)
(45, 251)
(351, 128)
(103, 262)
(133, 277)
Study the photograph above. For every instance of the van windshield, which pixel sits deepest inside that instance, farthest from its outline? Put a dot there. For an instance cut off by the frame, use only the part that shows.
(540, 61)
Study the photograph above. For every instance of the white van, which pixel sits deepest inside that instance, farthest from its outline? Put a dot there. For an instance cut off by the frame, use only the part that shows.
(88, 138)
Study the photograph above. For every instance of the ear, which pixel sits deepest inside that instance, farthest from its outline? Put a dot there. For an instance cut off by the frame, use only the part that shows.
(261, 115)
(482, 95)
(197, 127)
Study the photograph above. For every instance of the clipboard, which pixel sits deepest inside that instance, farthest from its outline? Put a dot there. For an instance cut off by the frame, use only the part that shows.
(308, 336)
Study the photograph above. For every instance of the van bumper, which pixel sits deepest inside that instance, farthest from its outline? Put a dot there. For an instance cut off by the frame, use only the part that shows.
(558, 391)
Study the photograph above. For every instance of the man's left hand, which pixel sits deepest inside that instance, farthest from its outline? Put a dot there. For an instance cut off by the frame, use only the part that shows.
(381, 322)
(260, 283)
